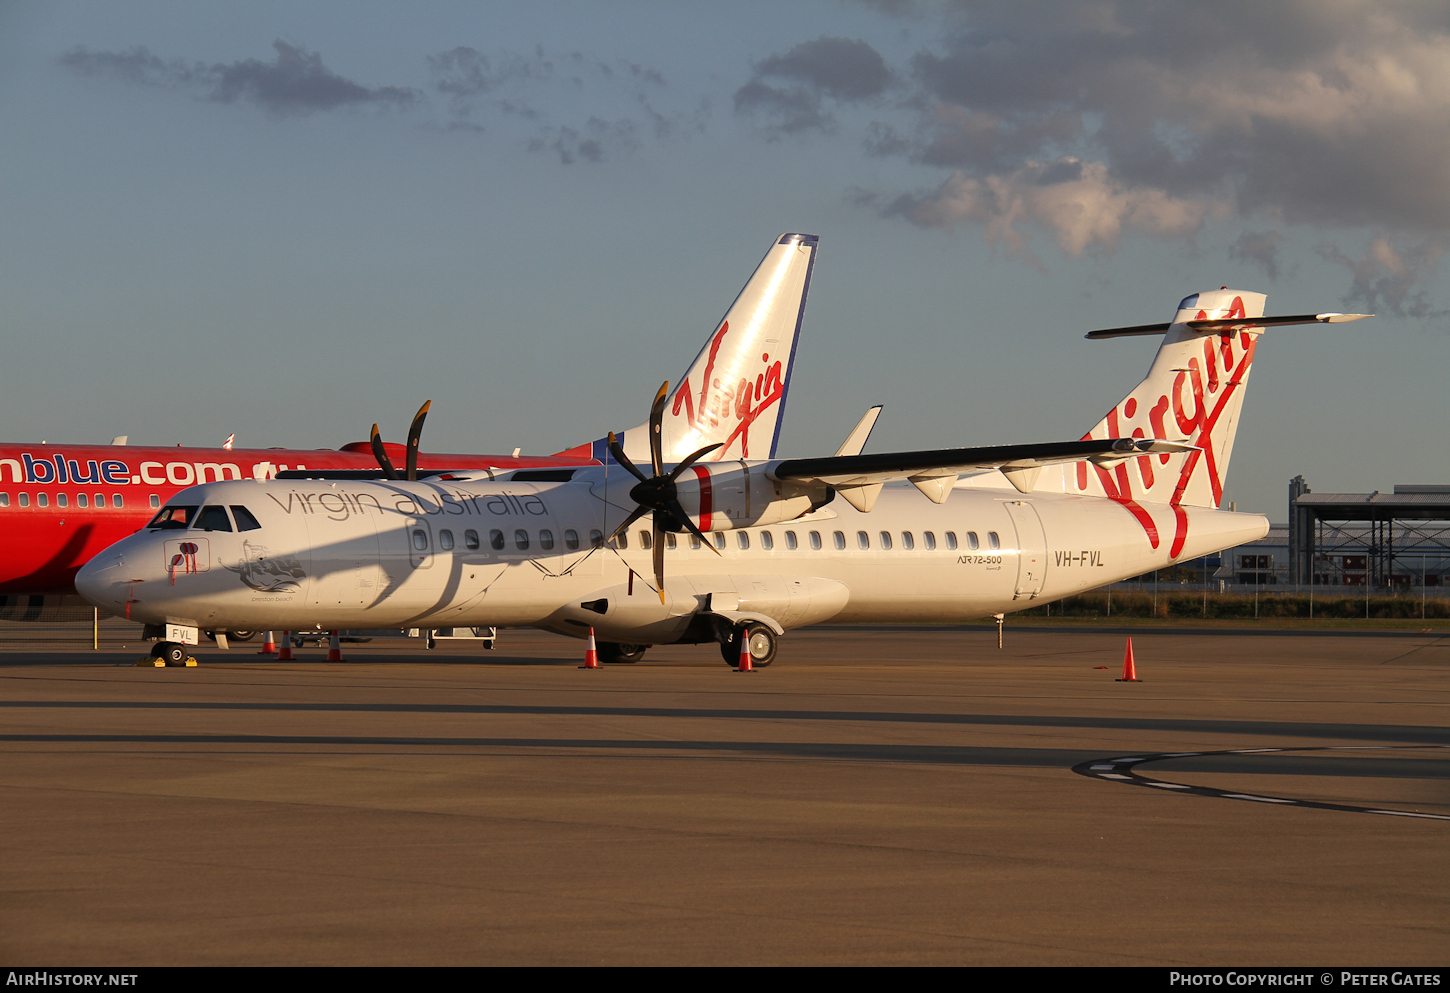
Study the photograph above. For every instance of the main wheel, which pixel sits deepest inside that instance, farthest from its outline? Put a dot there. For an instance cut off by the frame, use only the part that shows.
(171, 653)
(762, 642)
(241, 635)
(610, 651)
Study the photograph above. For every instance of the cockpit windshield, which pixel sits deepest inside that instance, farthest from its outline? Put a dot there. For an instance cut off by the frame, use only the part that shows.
(172, 518)
(213, 519)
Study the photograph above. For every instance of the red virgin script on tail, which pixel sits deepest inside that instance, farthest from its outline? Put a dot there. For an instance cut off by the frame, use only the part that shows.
(719, 402)
(1209, 385)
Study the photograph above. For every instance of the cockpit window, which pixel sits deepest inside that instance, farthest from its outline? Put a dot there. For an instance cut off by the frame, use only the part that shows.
(213, 519)
(245, 520)
(172, 518)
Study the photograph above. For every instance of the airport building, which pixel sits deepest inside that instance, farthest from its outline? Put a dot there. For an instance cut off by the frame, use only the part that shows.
(1383, 541)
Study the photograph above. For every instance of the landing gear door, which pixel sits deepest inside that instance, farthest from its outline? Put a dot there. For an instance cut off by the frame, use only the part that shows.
(1031, 549)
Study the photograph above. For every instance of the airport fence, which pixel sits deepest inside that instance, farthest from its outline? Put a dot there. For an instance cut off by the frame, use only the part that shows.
(1186, 603)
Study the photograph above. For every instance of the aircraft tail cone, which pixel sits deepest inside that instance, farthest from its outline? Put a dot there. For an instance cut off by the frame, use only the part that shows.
(285, 654)
(334, 649)
(591, 654)
(745, 664)
(269, 647)
(1130, 668)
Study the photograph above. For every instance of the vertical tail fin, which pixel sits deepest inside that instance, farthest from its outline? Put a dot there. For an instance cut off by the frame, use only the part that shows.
(735, 390)
(1193, 393)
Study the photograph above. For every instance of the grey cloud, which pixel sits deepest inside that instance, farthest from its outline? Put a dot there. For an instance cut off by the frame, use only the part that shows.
(1390, 277)
(295, 82)
(1260, 248)
(836, 69)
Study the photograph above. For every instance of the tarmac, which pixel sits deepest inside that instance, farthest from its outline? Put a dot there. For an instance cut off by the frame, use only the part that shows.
(877, 796)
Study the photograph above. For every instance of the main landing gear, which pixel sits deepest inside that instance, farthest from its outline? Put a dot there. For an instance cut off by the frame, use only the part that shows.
(168, 653)
(610, 651)
(762, 642)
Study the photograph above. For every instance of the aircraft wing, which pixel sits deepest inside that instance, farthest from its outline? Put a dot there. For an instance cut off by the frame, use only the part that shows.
(860, 477)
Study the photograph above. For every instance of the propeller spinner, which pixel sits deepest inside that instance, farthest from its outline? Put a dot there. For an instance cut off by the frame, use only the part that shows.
(657, 494)
(414, 432)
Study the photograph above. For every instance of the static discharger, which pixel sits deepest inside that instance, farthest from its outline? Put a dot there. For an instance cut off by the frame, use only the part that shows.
(1130, 669)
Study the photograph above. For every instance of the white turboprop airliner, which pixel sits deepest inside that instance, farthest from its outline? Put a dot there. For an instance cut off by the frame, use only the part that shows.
(713, 551)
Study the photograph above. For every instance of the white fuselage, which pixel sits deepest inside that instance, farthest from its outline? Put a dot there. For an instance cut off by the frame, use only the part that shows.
(350, 554)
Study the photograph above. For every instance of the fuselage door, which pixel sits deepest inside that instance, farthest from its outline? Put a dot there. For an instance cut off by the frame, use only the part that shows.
(1031, 548)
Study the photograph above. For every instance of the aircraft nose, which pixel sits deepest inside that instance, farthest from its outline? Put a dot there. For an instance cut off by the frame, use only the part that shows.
(97, 578)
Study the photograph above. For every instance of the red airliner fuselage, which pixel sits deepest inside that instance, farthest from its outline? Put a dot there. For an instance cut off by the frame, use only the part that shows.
(61, 504)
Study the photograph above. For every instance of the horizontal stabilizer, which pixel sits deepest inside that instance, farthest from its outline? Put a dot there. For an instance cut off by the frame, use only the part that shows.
(865, 470)
(1227, 324)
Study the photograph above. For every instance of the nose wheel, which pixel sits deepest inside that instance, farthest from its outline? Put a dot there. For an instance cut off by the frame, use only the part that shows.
(762, 643)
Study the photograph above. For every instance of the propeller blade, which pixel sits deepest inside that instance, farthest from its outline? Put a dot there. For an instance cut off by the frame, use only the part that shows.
(414, 431)
(656, 440)
(381, 454)
(639, 512)
(617, 450)
(678, 513)
(675, 474)
(659, 550)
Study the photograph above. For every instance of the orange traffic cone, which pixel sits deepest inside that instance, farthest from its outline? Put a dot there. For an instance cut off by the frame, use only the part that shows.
(591, 654)
(269, 647)
(285, 654)
(334, 649)
(745, 664)
(1130, 670)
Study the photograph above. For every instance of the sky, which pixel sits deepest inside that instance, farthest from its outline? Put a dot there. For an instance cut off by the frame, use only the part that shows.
(290, 220)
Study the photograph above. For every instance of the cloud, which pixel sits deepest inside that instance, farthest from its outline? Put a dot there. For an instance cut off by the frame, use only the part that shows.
(1330, 115)
(295, 82)
(1387, 277)
(828, 69)
(1259, 247)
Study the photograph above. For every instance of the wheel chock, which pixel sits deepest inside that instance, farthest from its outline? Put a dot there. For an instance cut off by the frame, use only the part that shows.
(152, 661)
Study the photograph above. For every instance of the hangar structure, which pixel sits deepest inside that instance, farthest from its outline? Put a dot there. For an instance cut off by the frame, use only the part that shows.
(1364, 539)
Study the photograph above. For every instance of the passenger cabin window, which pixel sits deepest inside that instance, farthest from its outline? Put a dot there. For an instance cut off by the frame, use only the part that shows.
(4, 499)
(767, 540)
(952, 540)
(521, 540)
(470, 538)
(571, 539)
(928, 539)
(244, 518)
(42, 499)
(694, 541)
(863, 540)
(116, 500)
(719, 539)
(100, 499)
(25, 501)
(646, 540)
(992, 540)
(213, 518)
(596, 538)
(61, 500)
(886, 540)
(907, 542)
(155, 500)
(670, 540)
(445, 540)
(82, 500)
(743, 540)
(816, 541)
(622, 541)
(972, 540)
(839, 537)
(790, 540)
(170, 519)
(495, 540)
(546, 540)
(420, 539)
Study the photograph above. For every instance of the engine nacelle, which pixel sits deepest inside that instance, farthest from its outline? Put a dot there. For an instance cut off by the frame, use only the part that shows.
(720, 496)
